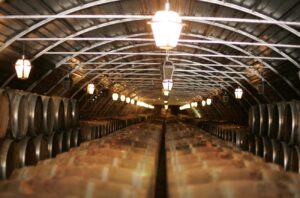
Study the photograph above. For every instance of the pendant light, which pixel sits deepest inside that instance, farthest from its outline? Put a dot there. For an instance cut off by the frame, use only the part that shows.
(167, 84)
(23, 66)
(166, 93)
(67, 83)
(123, 98)
(203, 103)
(132, 101)
(166, 107)
(115, 96)
(128, 100)
(208, 101)
(91, 88)
(238, 93)
(166, 27)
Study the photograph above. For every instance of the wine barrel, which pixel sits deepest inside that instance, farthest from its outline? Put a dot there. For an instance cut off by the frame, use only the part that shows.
(74, 112)
(58, 113)
(259, 149)
(67, 113)
(254, 119)
(35, 114)
(263, 120)
(279, 110)
(25, 153)
(75, 138)
(281, 154)
(5, 113)
(267, 149)
(41, 147)
(7, 151)
(291, 123)
(53, 145)
(48, 115)
(19, 114)
(295, 160)
(87, 133)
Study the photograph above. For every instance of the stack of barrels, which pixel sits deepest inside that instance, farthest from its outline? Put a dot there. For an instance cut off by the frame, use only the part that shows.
(33, 128)
(122, 164)
(201, 165)
(275, 133)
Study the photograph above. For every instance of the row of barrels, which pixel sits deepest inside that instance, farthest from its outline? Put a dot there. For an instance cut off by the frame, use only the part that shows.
(28, 114)
(272, 150)
(201, 165)
(29, 150)
(279, 121)
(122, 164)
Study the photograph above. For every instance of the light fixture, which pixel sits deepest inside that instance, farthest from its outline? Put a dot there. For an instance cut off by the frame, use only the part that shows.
(123, 98)
(128, 100)
(208, 101)
(23, 68)
(166, 107)
(132, 101)
(91, 88)
(194, 104)
(67, 83)
(165, 101)
(166, 27)
(167, 84)
(225, 97)
(238, 93)
(115, 96)
(166, 93)
(203, 103)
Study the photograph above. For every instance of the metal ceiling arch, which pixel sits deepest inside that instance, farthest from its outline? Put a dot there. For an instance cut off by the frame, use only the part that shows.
(114, 22)
(97, 76)
(177, 59)
(144, 34)
(196, 47)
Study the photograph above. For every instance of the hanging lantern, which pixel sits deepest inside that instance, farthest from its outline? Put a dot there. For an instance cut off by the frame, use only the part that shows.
(132, 101)
(194, 104)
(225, 97)
(166, 93)
(91, 88)
(203, 103)
(67, 83)
(115, 96)
(208, 101)
(167, 84)
(23, 68)
(166, 107)
(165, 101)
(123, 98)
(238, 93)
(128, 100)
(166, 27)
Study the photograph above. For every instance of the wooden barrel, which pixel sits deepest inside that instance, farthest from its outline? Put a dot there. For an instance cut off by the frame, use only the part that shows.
(251, 144)
(5, 113)
(48, 115)
(281, 153)
(75, 138)
(25, 153)
(59, 116)
(267, 149)
(19, 114)
(74, 112)
(67, 113)
(294, 162)
(87, 133)
(259, 149)
(7, 151)
(272, 120)
(254, 119)
(35, 114)
(41, 147)
(291, 123)
(53, 145)
(263, 120)
(279, 111)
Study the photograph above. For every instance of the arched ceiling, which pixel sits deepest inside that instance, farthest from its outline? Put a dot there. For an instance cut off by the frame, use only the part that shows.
(224, 44)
